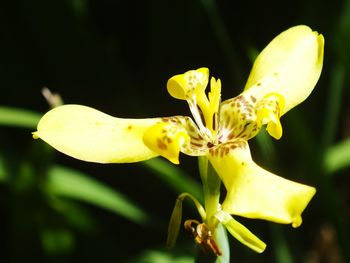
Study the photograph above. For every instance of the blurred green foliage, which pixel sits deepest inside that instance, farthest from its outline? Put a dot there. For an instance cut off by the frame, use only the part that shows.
(117, 56)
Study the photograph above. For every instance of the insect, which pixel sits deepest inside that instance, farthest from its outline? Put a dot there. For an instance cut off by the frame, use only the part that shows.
(203, 236)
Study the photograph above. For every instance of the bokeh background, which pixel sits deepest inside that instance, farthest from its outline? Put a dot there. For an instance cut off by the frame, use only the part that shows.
(116, 56)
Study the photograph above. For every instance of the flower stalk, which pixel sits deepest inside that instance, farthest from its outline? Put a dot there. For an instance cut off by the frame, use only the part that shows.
(211, 190)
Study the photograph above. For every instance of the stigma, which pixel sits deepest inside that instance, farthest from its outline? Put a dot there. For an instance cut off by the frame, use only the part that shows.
(205, 109)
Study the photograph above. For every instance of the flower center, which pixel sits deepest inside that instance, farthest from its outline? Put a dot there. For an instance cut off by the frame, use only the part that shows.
(215, 124)
(205, 109)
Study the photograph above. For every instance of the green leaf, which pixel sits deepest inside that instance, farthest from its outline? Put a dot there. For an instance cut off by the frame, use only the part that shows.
(155, 256)
(174, 177)
(3, 172)
(280, 249)
(337, 157)
(266, 145)
(73, 184)
(334, 104)
(18, 117)
(57, 241)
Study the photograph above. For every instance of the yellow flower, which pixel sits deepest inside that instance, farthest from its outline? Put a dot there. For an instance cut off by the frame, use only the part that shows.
(283, 75)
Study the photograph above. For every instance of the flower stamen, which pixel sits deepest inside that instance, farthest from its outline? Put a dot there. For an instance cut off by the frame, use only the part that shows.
(207, 106)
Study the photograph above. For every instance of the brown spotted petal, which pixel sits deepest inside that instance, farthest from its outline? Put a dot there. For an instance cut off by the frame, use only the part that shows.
(289, 65)
(183, 86)
(172, 135)
(238, 119)
(254, 192)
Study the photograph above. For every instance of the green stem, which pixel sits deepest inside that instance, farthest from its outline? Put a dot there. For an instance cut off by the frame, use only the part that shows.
(211, 189)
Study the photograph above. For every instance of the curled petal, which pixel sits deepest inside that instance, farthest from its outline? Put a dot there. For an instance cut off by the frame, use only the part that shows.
(91, 135)
(182, 86)
(166, 139)
(254, 192)
(289, 65)
(269, 110)
(240, 232)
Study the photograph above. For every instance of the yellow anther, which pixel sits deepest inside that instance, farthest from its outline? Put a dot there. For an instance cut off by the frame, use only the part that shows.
(215, 94)
(210, 107)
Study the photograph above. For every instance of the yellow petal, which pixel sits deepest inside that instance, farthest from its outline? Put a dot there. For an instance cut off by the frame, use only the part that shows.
(182, 85)
(254, 192)
(166, 139)
(90, 135)
(240, 232)
(268, 110)
(289, 65)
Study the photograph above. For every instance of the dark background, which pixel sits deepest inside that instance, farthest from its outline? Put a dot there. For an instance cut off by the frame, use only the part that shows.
(116, 56)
